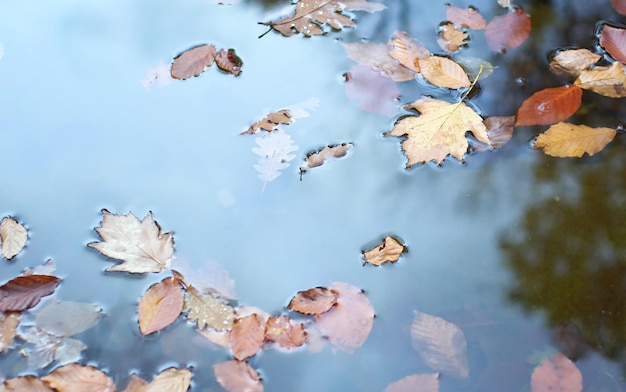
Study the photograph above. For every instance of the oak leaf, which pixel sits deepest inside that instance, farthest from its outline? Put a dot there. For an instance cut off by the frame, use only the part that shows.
(426, 382)
(310, 16)
(141, 245)
(570, 140)
(549, 106)
(285, 332)
(390, 250)
(193, 61)
(613, 40)
(79, 378)
(236, 376)
(438, 131)
(508, 31)
(8, 329)
(451, 38)
(13, 235)
(609, 81)
(443, 72)
(557, 373)
(270, 122)
(406, 50)
(317, 158)
(275, 151)
(573, 61)
(24, 292)
(160, 306)
(467, 17)
(440, 344)
(246, 336)
(377, 56)
(314, 301)
(207, 310)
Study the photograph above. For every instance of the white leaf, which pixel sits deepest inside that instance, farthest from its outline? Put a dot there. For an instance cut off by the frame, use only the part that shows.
(275, 151)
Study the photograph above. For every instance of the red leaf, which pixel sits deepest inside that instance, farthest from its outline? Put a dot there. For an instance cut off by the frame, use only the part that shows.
(235, 376)
(549, 106)
(619, 5)
(160, 305)
(508, 31)
(247, 336)
(467, 17)
(613, 39)
(24, 292)
(556, 374)
(285, 332)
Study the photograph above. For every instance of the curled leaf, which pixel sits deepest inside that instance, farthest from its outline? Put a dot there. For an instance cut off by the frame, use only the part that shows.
(570, 140)
(228, 61)
(160, 306)
(573, 61)
(314, 301)
(192, 62)
(13, 235)
(318, 157)
(389, 250)
(270, 122)
(609, 81)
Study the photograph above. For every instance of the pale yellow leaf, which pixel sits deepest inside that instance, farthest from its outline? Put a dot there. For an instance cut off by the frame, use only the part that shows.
(609, 81)
(389, 250)
(570, 140)
(443, 72)
(406, 50)
(573, 61)
(377, 56)
(13, 235)
(451, 38)
(208, 311)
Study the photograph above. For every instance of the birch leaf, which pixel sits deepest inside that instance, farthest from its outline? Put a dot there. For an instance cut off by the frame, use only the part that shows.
(79, 378)
(67, 318)
(192, 62)
(13, 235)
(141, 245)
(314, 301)
(318, 158)
(160, 306)
(170, 380)
(570, 140)
(443, 72)
(207, 310)
(390, 250)
(549, 106)
(236, 376)
(609, 81)
(246, 336)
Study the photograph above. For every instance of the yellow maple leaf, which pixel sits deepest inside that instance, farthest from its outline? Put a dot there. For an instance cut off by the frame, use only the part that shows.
(438, 131)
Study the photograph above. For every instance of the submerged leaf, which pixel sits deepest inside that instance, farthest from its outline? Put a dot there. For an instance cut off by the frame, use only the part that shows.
(609, 81)
(79, 378)
(318, 158)
(236, 376)
(193, 62)
(285, 332)
(499, 130)
(557, 373)
(314, 301)
(13, 235)
(508, 31)
(406, 50)
(246, 336)
(377, 56)
(160, 306)
(228, 61)
(466, 17)
(426, 382)
(570, 140)
(275, 150)
(389, 250)
(24, 292)
(208, 311)
(67, 318)
(375, 93)
(549, 106)
(618, 5)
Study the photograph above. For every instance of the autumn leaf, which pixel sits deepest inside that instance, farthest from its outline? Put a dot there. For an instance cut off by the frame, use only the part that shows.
(317, 158)
(46, 268)
(389, 250)
(136, 384)
(347, 324)
(440, 344)
(270, 122)
(374, 93)
(285, 332)
(314, 301)
(170, 380)
(8, 329)
(48, 347)
(619, 6)
(549, 106)
(443, 72)
(438, 131)
(406, 50)
(192, 62)
(79, 378)
(467, 17)
(13, 235)
(246, 336)
(28, 383)
(236, 376)
(609, 81)
(24, 292)
(508, 31)
(142, 246)
(451, 38)
(499, 130)
(228, 61)
(427, 382)
(378, 57)
(570, 140)
(275, 151)
(613, 40)
(505, 3)
(573, 61)
(160, 305)
(67, 318)
(557, 373)
(207, 310)
(310, 16)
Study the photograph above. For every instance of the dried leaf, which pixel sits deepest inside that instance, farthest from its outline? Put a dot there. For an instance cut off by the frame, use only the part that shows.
(79, 378)
(406, 50)
(505, 3)
(310, 16)
(8, 329)
(67, 318)
(438, 131)
(440, 344)
(208, 311)
(141, 245)
(443, 72)
(314, 301)
(285, 332)
(192, 62)
(28, 383)
(499, 130)
(378, 57)
(136, 384)
(572, 62)
(389, 250)
(619, 6)
(508, 31)
(275, 150)
(228, 61)
(246, 336)
(613, 40)
(170, 380)
(557, 373)
(375, 93)
(236, 376)
(570, 140)
(348, 324)
(609, 81)
(270, 122)
(426, 382)
(48, 348)
(318, 157)
(467, 17)
(160, 305)
(13, 235)
(451, 38)
(549, 106)
(24, 292)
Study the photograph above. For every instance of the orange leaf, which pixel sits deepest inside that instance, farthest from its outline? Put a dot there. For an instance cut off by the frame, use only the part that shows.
(24, 292)
(79, 378)
(235, 376)
(549, 106)
(443, 72)
(619, 5)
(466, 17)
(573, 61)
(160, 305)
(426, 382)
(313, 301)
(609, 81)
(570, 140)
(556, 374)
(228, 61)
(348, 324)
(192, 62)
(285, 332)
(508, 31)
(247, 336)
(406, 50)
(613, 39)
(451, 38)
(389, 250)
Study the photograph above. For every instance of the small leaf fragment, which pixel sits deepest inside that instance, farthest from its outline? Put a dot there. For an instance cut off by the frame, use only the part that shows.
(48, 348)
(24, 292)
(207, 310)
(619, 6)
(451, 38)
(13, 235)
(136, 384)
(613, 40)
(235, 376)
(160, 306)
(499, 130)
(573, 61)
(390, 250)
(271, 122)
(246, 336)
(8, 329)
(425, 382)
(314, 301)
(192, 62)
(406, 50)
(466, 17)
(609, 81)
(228, 61)
(557, 373)
(508, 31)
(443, 72)
(570, 140)
(285, 332)
(79, 378)
(549, 106)
(377, 56)
(28, 383)
(318, 157)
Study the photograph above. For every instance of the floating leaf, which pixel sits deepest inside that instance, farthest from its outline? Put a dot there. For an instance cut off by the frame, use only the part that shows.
(136, 384)
(13, 235)
(48, 348)
(406, 50)
(427, 382)
(46, 268)
(508, 31)
(8, 329)
(160, 305)
(208, 311)
(443, 72)
(499, 130)
(236, 376)
(275, 150)
(67, 318)
(270, 122)
(573, 61)
(570, 140)
(310, 16)
(619, 6)
(557, 373)
(466, 17)
(609, 81)
(170, 380)
(389, 250)
(347, 324)
(438, 131)
(285, 332)
(505, 3)
(451, 38)
(550, 106)
(246, 336)
(228, 61)
(314, 301)
(475, 67)
(192, 62)
(79, 378)
(24, 292)
(141, 245)
(377, 56)
(440, 344)
(318, 157)
(28, 383)
(613, 40)
(374, 92)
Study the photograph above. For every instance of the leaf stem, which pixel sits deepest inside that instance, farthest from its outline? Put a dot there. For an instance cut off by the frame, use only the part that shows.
(268, 30)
